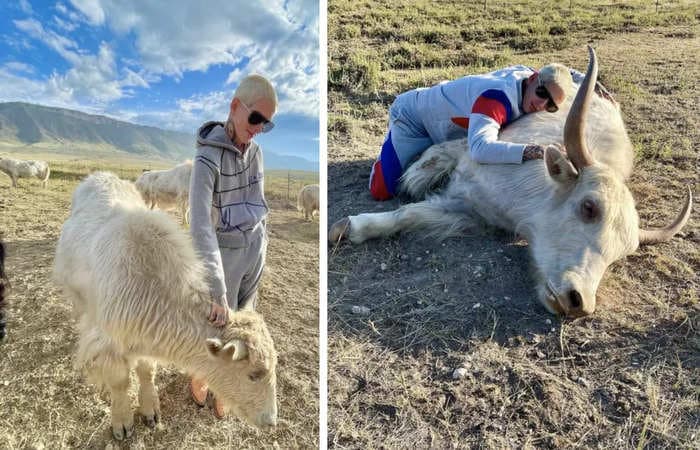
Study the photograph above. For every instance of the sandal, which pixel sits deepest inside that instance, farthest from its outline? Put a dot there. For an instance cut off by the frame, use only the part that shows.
(198, 392)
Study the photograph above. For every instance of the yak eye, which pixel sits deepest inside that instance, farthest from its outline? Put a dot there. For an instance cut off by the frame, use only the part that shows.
(257, 375)
(589, 210)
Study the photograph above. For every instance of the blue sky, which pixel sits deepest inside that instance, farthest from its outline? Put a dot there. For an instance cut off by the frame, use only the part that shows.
(173, 65)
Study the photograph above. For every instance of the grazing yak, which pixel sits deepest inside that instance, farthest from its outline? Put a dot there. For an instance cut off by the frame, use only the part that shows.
(140, 296)
(3, 288)
(573, 208)
(167, 189)
(308, 200)
(16, 168)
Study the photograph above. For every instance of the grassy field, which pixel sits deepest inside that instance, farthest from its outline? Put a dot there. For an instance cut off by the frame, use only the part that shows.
(45, 403)
(628, 376)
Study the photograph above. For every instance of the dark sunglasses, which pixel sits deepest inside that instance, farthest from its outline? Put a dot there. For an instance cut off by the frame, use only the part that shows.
(542, 92)
(256, 118)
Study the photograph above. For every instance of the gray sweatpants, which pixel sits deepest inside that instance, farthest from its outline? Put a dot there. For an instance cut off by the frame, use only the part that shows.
(243, 258)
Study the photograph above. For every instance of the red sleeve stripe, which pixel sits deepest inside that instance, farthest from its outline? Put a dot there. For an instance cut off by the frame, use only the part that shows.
(461, 121)
(495, 105)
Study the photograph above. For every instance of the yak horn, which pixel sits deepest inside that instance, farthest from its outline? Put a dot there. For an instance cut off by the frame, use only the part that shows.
(241, 349)
(575, 125)
(655, 235)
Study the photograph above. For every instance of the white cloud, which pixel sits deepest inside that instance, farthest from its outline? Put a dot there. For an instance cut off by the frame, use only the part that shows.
(68, 13)
(94, 79)
(26, 7)
(62, 45)
(17, 88)
(64, 24)
(14, 66)
(92, 10)
(278, 39)
(132, 78)
(281, 44)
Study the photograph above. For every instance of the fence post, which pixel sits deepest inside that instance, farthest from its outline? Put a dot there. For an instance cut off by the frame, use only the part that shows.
(288, 182)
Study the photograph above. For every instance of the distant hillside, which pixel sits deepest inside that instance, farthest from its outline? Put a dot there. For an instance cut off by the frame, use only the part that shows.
(27, 124)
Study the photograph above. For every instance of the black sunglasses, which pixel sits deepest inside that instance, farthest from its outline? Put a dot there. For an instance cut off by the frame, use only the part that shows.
(256, 118)
(542, 92)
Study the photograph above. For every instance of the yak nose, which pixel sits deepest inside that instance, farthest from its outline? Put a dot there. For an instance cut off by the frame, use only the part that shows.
(577, 306)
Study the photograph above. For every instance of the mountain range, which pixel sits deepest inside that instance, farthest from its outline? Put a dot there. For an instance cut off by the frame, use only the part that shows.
(26, 124)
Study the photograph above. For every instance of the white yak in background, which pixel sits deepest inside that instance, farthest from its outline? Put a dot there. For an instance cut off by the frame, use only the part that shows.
(167, 189)
(17, 168)
(308, 200)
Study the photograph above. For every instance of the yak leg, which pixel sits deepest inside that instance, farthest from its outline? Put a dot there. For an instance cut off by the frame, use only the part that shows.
(77, 301)
(14, 181)
(443, 216)
(149, 406)
(115, 373)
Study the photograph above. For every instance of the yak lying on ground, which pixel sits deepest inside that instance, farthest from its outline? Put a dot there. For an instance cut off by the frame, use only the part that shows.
(576, 213)
(308, 200)
(16, 168)
(167, 189)
(139, 293)
(3, 286)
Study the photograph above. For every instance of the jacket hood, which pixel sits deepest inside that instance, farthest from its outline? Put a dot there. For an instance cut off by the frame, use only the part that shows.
(213, 134)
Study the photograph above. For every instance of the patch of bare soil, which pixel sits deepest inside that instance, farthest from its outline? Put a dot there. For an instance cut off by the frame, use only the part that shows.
(627, 377)
(45, 403)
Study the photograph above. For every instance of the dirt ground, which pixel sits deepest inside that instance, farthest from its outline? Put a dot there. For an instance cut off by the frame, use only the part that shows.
(627, 377)
(45, 403)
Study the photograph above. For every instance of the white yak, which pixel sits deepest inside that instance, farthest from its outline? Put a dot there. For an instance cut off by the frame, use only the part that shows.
(17, 168)
(574, 209)
(308, 200)
(139, 294)
(167, 189)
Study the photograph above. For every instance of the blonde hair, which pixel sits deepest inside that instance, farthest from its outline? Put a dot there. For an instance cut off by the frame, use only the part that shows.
(558, 74)
(255, 87)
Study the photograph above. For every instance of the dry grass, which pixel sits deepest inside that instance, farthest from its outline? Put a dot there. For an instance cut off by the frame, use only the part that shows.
(626, 377)
(44, 403)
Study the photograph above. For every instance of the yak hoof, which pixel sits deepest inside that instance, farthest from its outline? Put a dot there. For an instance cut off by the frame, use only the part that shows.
(121, 432)
(339, 230)
(151, 420)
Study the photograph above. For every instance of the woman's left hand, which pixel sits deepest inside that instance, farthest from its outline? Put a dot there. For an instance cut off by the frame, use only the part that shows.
(218, 315)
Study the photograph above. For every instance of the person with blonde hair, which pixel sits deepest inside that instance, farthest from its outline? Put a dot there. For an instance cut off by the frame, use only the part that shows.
(475, 107)
(227, 205)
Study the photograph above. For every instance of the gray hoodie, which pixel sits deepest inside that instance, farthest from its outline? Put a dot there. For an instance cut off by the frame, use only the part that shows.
(227, 201)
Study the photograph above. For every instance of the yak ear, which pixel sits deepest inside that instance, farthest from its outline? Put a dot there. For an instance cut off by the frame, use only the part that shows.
(214, 346)
(558, 166)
